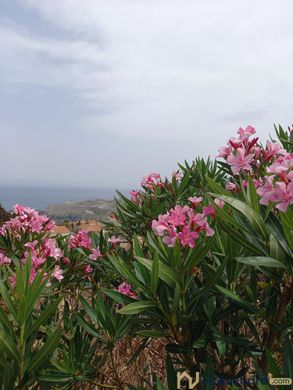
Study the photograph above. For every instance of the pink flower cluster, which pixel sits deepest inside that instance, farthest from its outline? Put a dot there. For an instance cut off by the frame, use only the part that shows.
(83, 240)
(135, 196)
(126, 289)
(243, 154)
(4, 260)
(80, 240)
(151, 181)
(40, 251)
(278, 183)
(183, 224)
(28, 220)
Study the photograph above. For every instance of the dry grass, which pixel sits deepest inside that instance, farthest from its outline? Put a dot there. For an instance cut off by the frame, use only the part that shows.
(131, 364)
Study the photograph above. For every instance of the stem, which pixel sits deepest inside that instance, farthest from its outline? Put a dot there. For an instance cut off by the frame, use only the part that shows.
(272, 339)
(21, 353)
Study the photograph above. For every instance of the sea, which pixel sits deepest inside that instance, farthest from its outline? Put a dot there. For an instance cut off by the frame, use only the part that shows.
(43, 196)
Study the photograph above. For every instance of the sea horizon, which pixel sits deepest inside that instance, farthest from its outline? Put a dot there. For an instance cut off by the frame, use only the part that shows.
(42, 196)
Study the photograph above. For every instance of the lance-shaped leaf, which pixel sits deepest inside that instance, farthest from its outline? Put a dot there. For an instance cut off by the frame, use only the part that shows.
(165, 273)
(8, 346)
(45, 352)
(253, 217)
(260, 261)
(137, 307)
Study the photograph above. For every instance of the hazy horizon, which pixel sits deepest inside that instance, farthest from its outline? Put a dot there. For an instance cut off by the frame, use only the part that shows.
(100, 93)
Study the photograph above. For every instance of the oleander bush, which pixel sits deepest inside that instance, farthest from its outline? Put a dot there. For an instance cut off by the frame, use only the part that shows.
(192, 273)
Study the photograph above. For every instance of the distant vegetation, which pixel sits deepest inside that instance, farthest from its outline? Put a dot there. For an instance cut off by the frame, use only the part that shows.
(99, 210)
(4, 215)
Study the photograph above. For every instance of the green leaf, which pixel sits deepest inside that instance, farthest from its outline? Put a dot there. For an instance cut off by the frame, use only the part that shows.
(8, 346)
(220, 343)
(287, 222)
(216, 187)
(229, 225)
(171, 374)
(8, 301)
(125, 271)
(137, 307)
(253, 198)
(253, 217)
(117, 296)
(152, 333)
(165, 273)
(260, 261)
(90, 311)
(89, 328)
(46, 314)
(176, 299)
(273, 368)
(235, 297)
(155, 274)
(136, 246)
(45, 352)
(4, 321)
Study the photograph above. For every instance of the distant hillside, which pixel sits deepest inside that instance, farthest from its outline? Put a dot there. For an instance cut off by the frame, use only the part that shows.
(87, 210)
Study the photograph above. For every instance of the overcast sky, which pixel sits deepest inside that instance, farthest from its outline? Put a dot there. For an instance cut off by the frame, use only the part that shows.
(101, 92)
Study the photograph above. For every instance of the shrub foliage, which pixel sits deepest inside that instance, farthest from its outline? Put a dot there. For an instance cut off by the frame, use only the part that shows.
(198, 265)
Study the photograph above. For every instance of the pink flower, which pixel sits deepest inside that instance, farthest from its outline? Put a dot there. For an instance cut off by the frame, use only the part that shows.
(171, 236)
(265, 190)
(282, 165)
(38, 257)
(188, 237)
(195, 201)
(125, 289)
(219, 202)
(209, 211)
(283, 195)
(224, 151)
(230, 186)
(178, 175)
(235, 143)
(80, 240)
(151, 180)
(244, 134)
(273, 149)
(115, 240)
(134, 196)
(160, 226)
(88, 269)
(57, 273)
(4, 260)
(278, 192)
(240, 161)
(51, 249)
(178, 215)
(95, 254)
(203, 225)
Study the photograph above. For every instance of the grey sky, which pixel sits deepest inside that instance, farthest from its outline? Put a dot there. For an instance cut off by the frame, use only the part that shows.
(101, 92)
